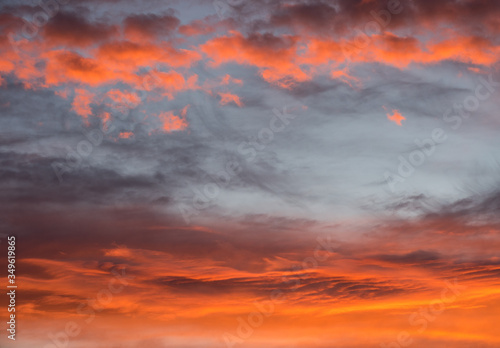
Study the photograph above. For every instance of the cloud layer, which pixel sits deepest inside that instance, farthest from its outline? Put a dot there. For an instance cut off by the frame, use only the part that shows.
(171, 168)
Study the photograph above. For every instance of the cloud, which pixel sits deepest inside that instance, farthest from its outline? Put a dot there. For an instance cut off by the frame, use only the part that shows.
(414, 257)
(70, 29)
(172, 82)
(396, 117)
(123, 99)
(124, 53)
(81, 103)
(272, 54)
(197, 27)
(172, 70)
(125, 135)
(67, 67)
(306, 17)
(227, 98)
(227, 79)
(171, 122)
(140, 27)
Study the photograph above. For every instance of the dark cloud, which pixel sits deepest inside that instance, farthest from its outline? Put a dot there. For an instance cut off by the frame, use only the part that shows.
(31, 269)
(73, 30)
(413, 258)
(342, 17)
(315, 16)
(150, 25)
(296, 286)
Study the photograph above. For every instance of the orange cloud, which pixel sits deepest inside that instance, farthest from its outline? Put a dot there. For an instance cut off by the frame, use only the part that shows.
(62, 93)
(396, 117)
(171, 122)
(81, 103)
(283, 60)
(65, 67)
(344, 76)
(227, 98)
(399, 51)
(227, 79)
(210, 85)
(173, 82)
(126, 53)
(393, 50)
(196, 27)
(6, 65)
(373, 284)
(479, 50)
(123, 99)
(321, 51)
(125, 135)
(275, 56)
(106, 117)
(209, 295)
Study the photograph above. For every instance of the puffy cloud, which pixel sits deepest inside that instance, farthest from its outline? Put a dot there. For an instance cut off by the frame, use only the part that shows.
(123, 99)
(172, 82)
(197, 27)
(81, 103)
(309, 17)
(70, 29)
(396, 117)
(68, 67)
(227, 98)
(126, 53)
(171, 122)
(275, 56)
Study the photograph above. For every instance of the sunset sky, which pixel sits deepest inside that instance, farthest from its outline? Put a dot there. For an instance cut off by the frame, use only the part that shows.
(251, 173)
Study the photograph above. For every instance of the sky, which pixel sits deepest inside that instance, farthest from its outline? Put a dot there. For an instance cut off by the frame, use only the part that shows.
(266, 173)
